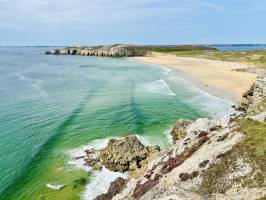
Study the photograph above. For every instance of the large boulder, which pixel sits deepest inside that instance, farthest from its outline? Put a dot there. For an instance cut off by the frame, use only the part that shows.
(124, 154)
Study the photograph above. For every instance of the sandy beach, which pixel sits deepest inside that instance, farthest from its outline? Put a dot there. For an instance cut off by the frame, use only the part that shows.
(214, 76)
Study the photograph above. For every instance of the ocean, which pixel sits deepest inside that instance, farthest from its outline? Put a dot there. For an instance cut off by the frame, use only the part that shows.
(51, 105)
(239, 47)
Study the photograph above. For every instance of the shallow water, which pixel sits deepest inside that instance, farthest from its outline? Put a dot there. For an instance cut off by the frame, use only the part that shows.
(52, 104)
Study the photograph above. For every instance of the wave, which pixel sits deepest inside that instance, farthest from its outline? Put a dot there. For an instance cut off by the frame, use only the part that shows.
(100, 183)
(54, 186)
(206, 103)
(167, 87)
(159, 87)
(100, 180)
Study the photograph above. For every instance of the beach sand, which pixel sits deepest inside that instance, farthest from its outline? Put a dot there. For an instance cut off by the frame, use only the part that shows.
(214, 76)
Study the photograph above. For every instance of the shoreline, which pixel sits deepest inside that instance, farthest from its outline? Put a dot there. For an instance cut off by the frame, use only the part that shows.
(213, 76)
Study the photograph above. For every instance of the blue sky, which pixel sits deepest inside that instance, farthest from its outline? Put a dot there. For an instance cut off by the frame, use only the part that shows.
(71, 22)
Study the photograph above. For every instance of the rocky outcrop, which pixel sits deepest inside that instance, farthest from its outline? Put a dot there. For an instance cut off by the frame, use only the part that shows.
(179, 130)
(107, 51)
(120, 155)
(124, 155)
(252, 96)
(174, 175)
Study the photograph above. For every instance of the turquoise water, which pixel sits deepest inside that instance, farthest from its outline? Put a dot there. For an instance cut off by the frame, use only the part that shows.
(52, 104)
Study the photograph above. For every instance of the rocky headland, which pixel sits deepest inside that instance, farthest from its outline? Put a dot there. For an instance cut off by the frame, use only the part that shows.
(124, 50)
(117, 50)
(210, 158)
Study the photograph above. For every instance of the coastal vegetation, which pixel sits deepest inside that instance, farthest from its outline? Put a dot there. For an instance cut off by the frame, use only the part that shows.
(254, 57)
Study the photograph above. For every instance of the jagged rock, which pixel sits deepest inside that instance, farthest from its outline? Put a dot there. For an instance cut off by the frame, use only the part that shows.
(123, 155)
(180, 129)
(115, 187)
(47, 52)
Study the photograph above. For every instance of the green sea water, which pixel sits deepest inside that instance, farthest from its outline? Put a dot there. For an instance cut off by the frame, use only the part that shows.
(50, 105)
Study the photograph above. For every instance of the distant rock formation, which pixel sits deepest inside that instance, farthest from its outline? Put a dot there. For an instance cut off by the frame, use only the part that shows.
(107, 51)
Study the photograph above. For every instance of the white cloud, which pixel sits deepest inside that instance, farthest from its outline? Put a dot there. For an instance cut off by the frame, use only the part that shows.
(27, 13)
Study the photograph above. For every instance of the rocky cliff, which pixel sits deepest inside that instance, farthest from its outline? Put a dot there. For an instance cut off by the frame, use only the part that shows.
(108, 51)
(210, 159)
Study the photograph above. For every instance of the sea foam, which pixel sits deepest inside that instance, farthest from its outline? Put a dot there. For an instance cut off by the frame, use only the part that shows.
(100, 183)
(100, 180)
(159, 87)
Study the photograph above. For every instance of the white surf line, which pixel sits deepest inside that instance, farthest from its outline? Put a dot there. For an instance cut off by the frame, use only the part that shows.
(100, 180)
(226, 104)
(100, 183)
(167, 87)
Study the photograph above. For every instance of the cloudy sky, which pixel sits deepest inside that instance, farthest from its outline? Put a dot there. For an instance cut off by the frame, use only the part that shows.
(70, 22)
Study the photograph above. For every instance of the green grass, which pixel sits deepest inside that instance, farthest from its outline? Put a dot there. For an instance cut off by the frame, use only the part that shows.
(255, 140)
(256, 57)
(260, 107)
(252, 150)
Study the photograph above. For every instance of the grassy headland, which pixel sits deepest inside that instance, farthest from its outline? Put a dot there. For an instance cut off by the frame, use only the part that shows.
(254, 57)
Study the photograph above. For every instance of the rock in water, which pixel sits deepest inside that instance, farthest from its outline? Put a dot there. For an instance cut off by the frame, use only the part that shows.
(122, 155)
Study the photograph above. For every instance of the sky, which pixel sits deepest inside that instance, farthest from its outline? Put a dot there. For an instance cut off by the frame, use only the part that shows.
(91, 22)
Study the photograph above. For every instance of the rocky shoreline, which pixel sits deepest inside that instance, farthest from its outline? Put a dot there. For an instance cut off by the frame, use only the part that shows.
(123, 50)
(185, 171)
(105, 51)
